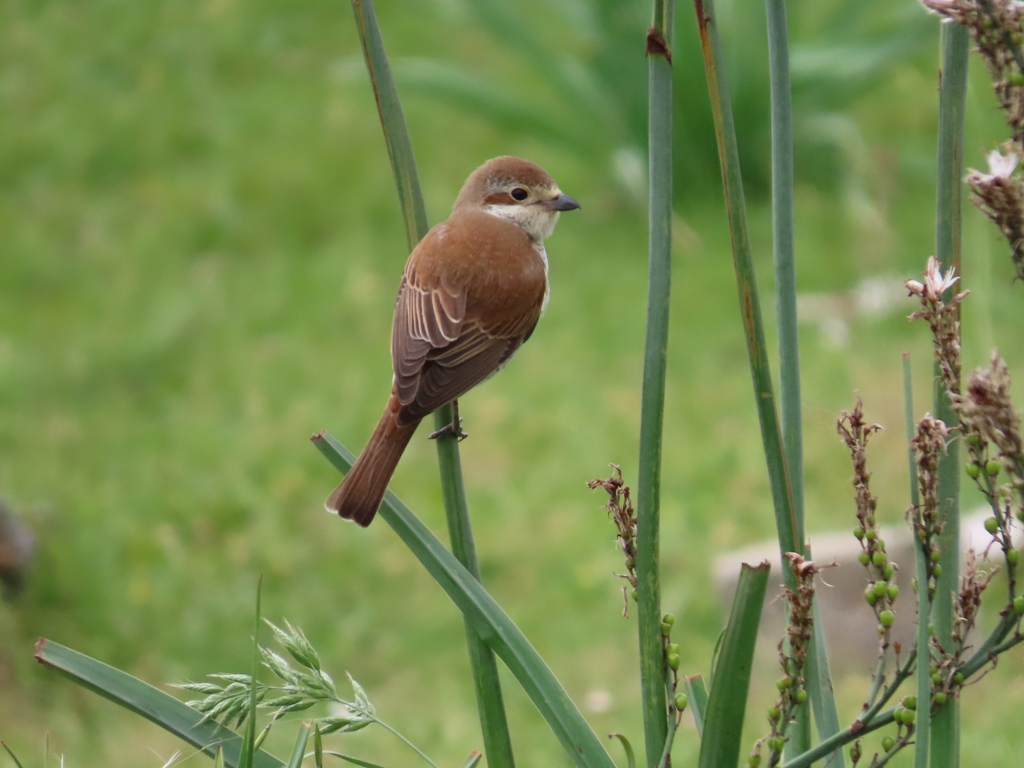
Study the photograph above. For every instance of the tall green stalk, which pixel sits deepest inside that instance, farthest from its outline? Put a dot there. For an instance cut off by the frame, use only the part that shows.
(923, 640)
(652, 661)
(494, 725)
(945, 735)
(750, 307)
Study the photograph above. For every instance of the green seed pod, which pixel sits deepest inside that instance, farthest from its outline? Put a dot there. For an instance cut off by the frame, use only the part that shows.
(888, 571)
(864, 558)
(682, 702)
(870, 596)
(909, 716)
(881, 588)
(991, 524)
(888, 743)
(973, 471)
(1013, 557)
(800, 696)
(871, 534)
(935, 555)
(886, 618)
(858, 532)
(940, 698)
(958, 678)
(936, 678)
(633, 595)
(894, 591)
(910, 702)
(784, 683)
(937, 570)
(673, 648)
(773, 713)
(879, 559)
(974, 439)
(1018, 605)
(669, 619)
(673, 660)
(754, 761)
(992, 467)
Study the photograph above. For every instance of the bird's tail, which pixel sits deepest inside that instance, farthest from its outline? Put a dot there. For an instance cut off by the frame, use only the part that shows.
(359, 495)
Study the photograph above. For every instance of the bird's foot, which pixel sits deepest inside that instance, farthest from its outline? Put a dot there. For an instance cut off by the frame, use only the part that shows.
(451, 428)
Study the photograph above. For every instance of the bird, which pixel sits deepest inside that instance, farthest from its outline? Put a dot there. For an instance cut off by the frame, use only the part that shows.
(471, 294)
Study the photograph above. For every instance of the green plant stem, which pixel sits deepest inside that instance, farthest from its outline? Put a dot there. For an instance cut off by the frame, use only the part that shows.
(392, 119)
(750, 309)
(489, 699)
(872, 719)
(923, 642)
(652, 657)
(945, 736)
(994, 644)
(493, 722)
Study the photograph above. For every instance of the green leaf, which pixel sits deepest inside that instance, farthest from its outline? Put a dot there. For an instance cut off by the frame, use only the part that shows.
(350, 759)
(697, 691)
(652, 397)
(249, 742)
(945, 734)
(299, 750)
(723, 726)
(473, 760)
(145, 700)
(487, 618)
(626, 747)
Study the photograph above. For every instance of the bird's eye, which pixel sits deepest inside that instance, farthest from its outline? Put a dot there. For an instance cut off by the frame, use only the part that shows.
(519, 194)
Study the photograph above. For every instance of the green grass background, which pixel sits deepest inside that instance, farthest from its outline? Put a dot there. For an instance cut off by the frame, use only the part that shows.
(199, 248)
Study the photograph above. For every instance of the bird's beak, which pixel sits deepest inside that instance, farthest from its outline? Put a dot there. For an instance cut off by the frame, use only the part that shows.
(561, 203)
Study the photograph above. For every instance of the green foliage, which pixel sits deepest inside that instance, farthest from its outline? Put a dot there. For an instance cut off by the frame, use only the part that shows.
(200, 249)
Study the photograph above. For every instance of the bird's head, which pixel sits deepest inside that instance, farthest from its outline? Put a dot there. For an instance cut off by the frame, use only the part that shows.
(518, 190)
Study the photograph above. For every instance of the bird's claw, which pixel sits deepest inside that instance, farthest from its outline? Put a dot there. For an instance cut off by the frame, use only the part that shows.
(451, 428)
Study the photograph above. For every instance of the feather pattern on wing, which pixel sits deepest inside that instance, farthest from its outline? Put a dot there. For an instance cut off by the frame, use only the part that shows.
(443, 344)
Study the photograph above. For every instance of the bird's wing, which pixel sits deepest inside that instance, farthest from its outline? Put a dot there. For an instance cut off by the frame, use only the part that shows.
(438, 353)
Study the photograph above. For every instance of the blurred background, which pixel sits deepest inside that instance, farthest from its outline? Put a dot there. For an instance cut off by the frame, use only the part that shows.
(200, 245)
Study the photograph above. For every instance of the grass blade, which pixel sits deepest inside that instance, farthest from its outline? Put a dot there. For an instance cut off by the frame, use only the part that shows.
(493, 722)
(923, 640)
(945, 735)
(350, 759)
(652, 662)
(730, 684)
(145, 700)
(489, 621)
(750, 308)
(249, 740)
(697, 691)
(10, 752)
(299, 750)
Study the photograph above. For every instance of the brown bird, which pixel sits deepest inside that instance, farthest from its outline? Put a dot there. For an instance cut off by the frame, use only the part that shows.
(472, 292)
